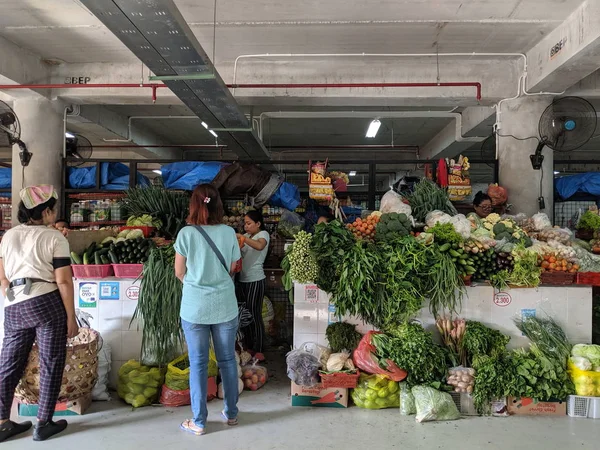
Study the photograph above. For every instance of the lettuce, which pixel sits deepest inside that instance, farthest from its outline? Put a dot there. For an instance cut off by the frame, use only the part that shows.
(590, 352)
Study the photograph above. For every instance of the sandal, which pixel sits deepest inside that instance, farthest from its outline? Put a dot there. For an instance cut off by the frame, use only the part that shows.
(189, 426)
(230, 422)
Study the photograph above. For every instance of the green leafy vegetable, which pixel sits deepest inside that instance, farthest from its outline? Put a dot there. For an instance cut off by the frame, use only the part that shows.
(427, 197)
(480, 340)
(303, 265)
(342, 336)
(330, 243)
(445, 233)
(589, 221)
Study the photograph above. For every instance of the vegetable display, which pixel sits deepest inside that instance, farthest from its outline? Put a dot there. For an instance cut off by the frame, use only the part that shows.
(330, 243)
(138, 384)
(342, 336)
(393, 226)
(303, 265)
(365, 229)
(426, 197)
(589, 221)
(376, 392)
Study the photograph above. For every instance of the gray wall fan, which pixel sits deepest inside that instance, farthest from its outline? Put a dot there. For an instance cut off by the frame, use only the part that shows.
(80, 148)
(10, 132)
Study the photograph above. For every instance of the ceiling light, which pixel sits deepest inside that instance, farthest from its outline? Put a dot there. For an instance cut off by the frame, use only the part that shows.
(159, 172)
(213, 133)
(556, 172)
(373, 128)
(352, 173)
(205, 125)
(69, 135)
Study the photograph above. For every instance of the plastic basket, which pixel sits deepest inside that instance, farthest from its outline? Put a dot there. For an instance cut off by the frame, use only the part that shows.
(557, 278)
(340, 380)
(128, 270)
(464, 403)
(588, 278)
(92, 270)
(586, 407)
(146, 230)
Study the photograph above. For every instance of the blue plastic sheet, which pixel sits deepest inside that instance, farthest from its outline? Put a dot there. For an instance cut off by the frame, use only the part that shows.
(585, 183)
(287, 196)
(188, 175)
(5, 177)
(113, 177)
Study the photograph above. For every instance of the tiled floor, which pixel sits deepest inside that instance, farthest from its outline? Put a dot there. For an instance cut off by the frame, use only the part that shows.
(267, 421)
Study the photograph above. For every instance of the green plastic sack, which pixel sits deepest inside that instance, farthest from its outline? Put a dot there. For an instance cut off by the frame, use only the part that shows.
(139, 385)
(376, 392)
(434, 405)
(407, 401)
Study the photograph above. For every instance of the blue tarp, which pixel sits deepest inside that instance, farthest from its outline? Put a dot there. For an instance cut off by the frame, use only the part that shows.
(287, 196)
(113, 177)
(188, 175)
(585, 183)
(5, 177)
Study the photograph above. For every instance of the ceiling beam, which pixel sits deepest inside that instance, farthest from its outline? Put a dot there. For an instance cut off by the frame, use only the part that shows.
(19, 66)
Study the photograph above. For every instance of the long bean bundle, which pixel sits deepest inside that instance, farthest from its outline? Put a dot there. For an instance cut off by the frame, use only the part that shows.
(427, 197)
(158, 308)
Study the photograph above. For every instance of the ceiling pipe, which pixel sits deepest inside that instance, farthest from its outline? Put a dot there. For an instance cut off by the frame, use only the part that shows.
(153, 86)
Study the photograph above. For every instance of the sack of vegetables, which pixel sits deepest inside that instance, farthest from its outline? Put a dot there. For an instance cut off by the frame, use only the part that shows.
(366, 361)
(178, 371)
(139, 385)
(376, 392)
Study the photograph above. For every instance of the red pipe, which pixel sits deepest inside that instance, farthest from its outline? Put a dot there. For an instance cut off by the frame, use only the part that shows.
(155, 86)
(157, 146)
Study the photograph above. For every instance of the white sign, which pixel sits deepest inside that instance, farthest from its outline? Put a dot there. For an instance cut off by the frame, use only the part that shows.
(502, 299)
(133, 292)
(88, 295)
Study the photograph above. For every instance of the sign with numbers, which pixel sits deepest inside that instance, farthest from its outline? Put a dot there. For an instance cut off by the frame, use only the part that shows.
(502, 299)
(311, 294)
(109, 290)
(133, 292)
(88, 295)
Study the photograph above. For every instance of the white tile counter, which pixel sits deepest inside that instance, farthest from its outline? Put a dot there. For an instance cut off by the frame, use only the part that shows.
(570, 306)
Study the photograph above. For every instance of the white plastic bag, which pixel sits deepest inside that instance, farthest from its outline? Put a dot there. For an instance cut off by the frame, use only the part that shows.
(318, 351)
(462, 225)
(100, 390)
(438, 217)
(391, 202)
(541, 221)
(434, 405)
(337, 361)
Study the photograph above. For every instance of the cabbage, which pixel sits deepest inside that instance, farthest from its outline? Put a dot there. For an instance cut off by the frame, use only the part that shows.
(434, 405)
(590, 352)
(581, 363)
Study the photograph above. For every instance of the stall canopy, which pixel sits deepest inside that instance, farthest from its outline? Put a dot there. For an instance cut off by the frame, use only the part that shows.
(187, 175)
(585, 183)
(5, 177)
(113, 177)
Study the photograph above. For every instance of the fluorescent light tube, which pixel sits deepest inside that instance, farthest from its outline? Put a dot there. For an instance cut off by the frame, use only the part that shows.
(373, 128)
(205, 125)
(157, 172)
(352, 173)
(69, 135)
(213, 133)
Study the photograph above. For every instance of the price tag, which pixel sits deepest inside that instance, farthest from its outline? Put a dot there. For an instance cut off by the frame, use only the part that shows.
(502, 299)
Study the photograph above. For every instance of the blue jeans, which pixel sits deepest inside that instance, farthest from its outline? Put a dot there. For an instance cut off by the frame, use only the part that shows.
(198, 341)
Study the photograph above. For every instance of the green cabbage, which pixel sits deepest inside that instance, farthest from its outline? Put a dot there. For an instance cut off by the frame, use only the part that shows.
(590, 352)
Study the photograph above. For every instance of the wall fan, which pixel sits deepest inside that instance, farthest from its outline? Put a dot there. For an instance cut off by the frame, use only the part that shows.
(80, 148)
(565, 125)
(10, 132)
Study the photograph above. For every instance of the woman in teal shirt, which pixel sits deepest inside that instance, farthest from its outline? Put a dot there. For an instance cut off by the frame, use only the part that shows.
(206, 255)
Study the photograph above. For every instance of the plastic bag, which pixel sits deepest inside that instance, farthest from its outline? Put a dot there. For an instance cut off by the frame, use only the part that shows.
(254, 377)
(138, 385)
(581, 363)
(498, 194)
(290, 224)
(541, 221)
(462, 379)
(407, 401)
(178, 374)
(221, 393)
(504, 246)
(318, 351)
(438, 217)
(392, 202)
(434, 405)
(376, 392)
(365, 360)
(100, 391)
(336, 361)
(587, 382)
(303, 368)
(172, 398)
(462, 225)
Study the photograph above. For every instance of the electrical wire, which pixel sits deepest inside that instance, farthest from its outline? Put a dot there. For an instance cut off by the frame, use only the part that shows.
(519, 139)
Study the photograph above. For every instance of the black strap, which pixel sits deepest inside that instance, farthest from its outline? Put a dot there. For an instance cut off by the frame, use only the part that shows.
(23, 281)
(213, 246)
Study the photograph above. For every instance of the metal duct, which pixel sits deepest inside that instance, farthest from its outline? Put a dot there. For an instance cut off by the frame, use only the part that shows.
(155, 31)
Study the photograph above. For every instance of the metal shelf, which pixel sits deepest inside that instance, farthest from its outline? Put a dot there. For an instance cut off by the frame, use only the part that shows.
(94, 224)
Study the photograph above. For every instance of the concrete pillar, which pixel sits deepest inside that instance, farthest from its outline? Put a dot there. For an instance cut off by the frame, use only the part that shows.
(42, 130)
(520, 118)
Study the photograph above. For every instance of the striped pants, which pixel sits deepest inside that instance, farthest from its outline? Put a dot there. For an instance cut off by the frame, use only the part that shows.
(253, 295)
(42, 319)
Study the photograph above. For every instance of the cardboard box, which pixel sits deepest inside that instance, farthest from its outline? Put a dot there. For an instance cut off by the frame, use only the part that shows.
(68, 408)
(80, 240)
(319, 397)
(530, 407)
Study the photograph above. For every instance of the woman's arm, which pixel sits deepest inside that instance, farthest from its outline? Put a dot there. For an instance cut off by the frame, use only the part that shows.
(64, 281)
(258, 244)
(180, 268)
(4, 283)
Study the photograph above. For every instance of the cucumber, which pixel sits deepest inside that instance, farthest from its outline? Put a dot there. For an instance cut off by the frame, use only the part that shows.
(454, 254)
(104, 259)
(445, 248)
(90, 250)
(76, 258)
(86, 259)
(113, 258)
(462, 262)
(97, 259)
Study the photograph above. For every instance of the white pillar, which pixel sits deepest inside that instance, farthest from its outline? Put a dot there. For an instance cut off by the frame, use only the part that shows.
(42, 130)
(520, 118)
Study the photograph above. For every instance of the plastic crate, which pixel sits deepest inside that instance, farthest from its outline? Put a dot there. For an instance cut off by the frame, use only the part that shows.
(339, 380)
(464, 403)
(128, 270)
(92, 270)
(146, 230)
(557, 278)
(588, 278)
(586, 407)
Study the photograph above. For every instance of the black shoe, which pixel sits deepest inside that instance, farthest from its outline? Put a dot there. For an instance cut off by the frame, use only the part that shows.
(43, 431)
(10, 429)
